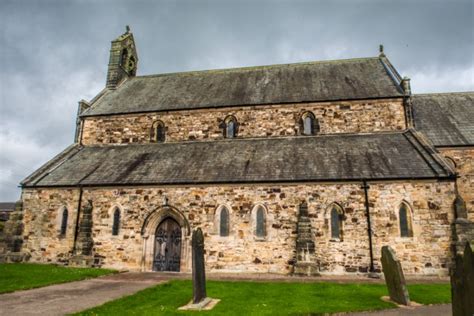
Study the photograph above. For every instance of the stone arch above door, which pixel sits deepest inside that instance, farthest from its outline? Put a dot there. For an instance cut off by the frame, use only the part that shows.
(150, 224)
(155, 217)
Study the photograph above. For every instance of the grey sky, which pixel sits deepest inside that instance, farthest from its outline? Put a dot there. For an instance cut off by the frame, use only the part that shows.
(54, 53)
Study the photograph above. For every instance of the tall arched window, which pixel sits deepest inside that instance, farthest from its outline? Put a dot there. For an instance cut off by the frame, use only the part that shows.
(260, 222)
(309, 124)
(336, 222)
(64, 217)
(158, 133)
(224, 222)
(116, 222)
(404, 217)
(230, 128)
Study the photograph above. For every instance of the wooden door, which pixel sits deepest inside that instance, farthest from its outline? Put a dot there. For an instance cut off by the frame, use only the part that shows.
(167, 246)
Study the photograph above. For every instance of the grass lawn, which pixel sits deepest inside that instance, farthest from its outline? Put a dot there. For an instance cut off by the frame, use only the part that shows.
(272, 298)
(22, 276)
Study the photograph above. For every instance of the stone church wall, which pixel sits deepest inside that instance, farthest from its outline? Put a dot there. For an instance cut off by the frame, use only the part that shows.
(425, 253)
(464, 160)
(42, 219)
(257, 121)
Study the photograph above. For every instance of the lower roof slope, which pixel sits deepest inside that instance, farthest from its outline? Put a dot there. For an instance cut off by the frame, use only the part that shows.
(447, 119)
(399, 155)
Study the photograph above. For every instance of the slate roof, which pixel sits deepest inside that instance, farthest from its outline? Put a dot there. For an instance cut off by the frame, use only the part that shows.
(349, 79)
(401, 155)
(7, 206)
(447, 119)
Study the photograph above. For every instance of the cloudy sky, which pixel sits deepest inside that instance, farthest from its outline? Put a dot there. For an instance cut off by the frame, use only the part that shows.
(54, 53)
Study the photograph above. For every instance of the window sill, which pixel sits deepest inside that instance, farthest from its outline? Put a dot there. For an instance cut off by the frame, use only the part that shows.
(335, 240)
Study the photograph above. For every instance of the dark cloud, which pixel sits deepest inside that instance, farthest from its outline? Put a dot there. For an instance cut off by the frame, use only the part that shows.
(54, 53)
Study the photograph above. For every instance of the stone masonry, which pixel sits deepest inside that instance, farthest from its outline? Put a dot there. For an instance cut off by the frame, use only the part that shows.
(262, 121)
(427, 252)
(464, 160)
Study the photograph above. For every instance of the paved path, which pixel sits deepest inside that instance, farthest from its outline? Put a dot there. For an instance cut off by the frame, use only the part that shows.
(73, 297)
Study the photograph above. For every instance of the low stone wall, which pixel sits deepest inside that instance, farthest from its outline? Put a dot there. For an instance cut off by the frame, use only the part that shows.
(425, 253)
(255, 121)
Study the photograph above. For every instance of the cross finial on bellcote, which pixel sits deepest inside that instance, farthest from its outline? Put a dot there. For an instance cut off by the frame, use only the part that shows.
(127, 29)
(381, 53)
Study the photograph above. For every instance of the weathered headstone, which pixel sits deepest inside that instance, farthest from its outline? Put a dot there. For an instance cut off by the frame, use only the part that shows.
(462, 283)
(200, 300)
(199, 273)
(394, 278)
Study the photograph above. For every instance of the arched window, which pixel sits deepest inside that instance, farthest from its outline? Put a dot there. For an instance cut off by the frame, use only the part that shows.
(64, 217)
(224, 222)
(158, 133)
(404, 217)
(116, 222)
(336, 222)
(260, 222)
(230, 128)
(309, 124)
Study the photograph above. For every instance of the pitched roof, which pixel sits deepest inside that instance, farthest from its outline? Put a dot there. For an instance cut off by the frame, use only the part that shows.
(399, 155)
(362, 78)
(447, 119)
(7, 206)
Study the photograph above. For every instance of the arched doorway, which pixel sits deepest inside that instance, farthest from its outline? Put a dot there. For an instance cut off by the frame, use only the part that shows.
(167, 253)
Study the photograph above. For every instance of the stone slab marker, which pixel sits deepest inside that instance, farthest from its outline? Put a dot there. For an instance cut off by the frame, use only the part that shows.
(200, 300)
(394, 278)
(199, 271)
(462, 283)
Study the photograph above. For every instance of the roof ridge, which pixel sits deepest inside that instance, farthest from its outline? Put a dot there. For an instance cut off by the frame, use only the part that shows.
(249, 68)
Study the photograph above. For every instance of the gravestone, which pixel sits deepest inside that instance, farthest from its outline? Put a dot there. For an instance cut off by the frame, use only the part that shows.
(199, 273)
(462, 283)
(200, 300)
(394, 278)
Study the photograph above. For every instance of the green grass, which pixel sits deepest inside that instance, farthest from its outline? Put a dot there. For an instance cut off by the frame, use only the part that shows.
(272, 298)
(427, 294)
(22, 276)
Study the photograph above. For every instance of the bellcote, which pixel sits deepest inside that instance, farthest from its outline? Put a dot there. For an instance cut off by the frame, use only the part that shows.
(123, 59)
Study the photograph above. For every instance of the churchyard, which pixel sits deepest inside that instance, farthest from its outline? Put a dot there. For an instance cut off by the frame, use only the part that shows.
(24, 276)
(299, 295)
(268, 298)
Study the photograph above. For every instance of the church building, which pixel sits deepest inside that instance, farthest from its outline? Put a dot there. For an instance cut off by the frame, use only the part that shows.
(306, 168)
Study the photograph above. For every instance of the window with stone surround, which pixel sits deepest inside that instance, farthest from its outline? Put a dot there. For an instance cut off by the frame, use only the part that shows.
(64, 217)
(116, 222)
(158, 132)
(404, 217)
(336, 217)
(230, 127)
(223, 221)
(259, 221)
(309, 125)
